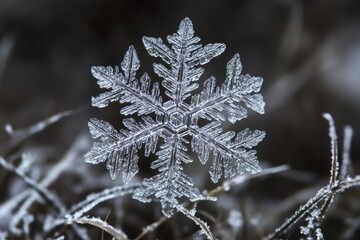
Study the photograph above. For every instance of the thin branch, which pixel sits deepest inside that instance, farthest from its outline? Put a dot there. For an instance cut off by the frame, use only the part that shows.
(335, 186)
(325, 207)
(50, 198)
(346, 161)
(203, 225)
(151, 228)
(242, 178)
(348, 183)
(89, 203)
(334, 149)
(94, 199)
(97, 222)
(46, 195)
(216, 191)
(79, 145)
(322, 193)
(20, 135)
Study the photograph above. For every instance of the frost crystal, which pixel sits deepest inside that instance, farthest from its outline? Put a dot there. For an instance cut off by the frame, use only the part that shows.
(176, 117)
(235, 219)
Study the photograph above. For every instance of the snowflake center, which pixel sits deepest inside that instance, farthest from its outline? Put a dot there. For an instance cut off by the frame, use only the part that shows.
(176, 119)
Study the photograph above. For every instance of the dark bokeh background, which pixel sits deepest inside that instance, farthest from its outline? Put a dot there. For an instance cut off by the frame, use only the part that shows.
(307, 51)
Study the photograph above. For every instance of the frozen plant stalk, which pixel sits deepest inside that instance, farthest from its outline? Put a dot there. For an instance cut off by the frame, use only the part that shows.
(176, 117)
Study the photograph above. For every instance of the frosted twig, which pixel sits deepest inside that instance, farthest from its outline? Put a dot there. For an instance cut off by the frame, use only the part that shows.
(325, 207)
(94, 199)
(348, 183)
(216, 191)
(203, 225)
(60, 238)
(90, 202)
(346, 167)
(43, 192)
(334, 149)
(327, 193)
(28, 219)
(151, 228)
(97, 222)
(79, 145)
(321, 194)
(19, 135)
(49, 198)
(17, 218)
(242, 178)
(7, 207)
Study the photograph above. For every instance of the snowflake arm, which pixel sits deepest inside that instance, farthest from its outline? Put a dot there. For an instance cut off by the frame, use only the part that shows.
(184, 55)
(171, 183)
(119, 149)
(237, 88)
(230, 157)
(126, 88)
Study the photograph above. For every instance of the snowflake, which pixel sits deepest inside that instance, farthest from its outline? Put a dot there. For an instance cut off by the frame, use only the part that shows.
(175, 119)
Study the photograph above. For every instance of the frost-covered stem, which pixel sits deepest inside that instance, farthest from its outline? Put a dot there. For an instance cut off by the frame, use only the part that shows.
(242, 178)
(43, 192)
(49, 198)
(334, 149)
(78, 146)
(90, 202)
(97, 222)
(299, 213)
(346, 162)
(216, 191)
(326, 206)
(335, 185)
(19, 216)
(94, 199)
(151, 228)
(19, 135)
(342, 186)
(204, 227)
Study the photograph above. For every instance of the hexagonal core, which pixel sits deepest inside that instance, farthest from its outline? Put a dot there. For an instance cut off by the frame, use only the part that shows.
(176, 119)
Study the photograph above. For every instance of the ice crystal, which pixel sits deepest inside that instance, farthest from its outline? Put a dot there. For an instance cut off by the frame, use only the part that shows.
(235, 219)
(312, 220)
(176, 117)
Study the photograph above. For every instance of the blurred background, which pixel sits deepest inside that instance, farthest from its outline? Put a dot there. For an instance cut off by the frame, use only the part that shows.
(308, 53)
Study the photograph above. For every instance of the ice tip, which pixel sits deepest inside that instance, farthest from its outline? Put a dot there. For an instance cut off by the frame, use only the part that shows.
(186, 20)
(327, 116)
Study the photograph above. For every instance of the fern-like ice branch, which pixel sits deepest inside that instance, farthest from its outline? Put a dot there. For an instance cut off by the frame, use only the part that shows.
(210, 103)
(119, 149)
(126, 88)
(230, 157)
(171, 183)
